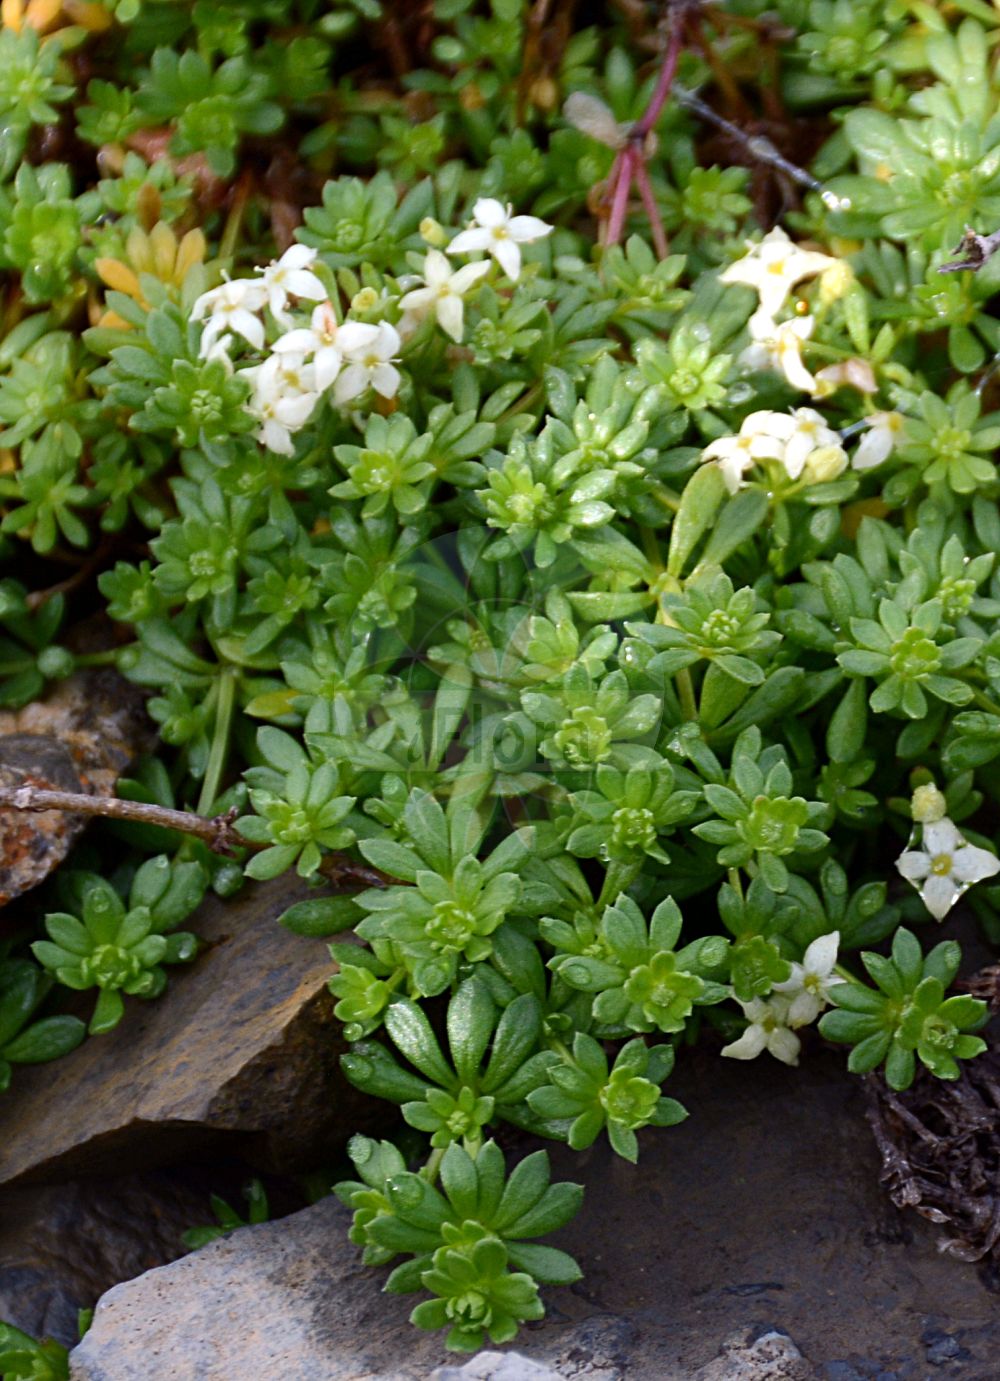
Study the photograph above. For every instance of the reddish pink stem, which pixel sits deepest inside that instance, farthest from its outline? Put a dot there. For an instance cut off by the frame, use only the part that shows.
(620, 180)
(664, 82)
(631, 163)
(652, 210)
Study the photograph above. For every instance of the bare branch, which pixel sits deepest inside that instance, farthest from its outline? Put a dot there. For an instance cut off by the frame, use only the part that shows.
(759, 148)
(219, 832)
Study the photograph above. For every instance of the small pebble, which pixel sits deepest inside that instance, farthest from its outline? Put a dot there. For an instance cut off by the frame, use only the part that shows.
(943, 1347)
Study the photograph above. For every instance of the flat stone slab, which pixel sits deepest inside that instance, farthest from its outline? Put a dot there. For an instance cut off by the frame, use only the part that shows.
(760, 1215)
(242, 1047)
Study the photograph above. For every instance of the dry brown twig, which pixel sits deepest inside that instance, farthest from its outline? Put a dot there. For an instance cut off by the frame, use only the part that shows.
(217, 832)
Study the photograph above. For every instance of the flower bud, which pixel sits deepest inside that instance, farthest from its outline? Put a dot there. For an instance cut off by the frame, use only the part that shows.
(544, 93)
(834, 282)
(928, 805)
(432, 232)
(852, 373)
(825, 463)
(364, 301)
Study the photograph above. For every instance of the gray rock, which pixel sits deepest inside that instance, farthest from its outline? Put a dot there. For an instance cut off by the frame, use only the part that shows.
(286, 1299)
(497, 1366)
(606, 1347)
(241, 1051)
(942, 1347)
(772, 1356)
(62, 1246)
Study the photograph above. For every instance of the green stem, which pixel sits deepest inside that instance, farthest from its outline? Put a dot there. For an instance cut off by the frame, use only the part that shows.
(846, 974)
(985, 702)
(666, 498)
(651, 548)
(685, 691)
(736, 882)
(430, 1170)
(234, 221)
(619, 876)
(219, 751)
(527, 400)
(828, 352)
(100, 659)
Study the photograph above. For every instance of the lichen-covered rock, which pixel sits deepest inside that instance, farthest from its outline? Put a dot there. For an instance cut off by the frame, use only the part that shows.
(497, 1366)
(81, 737)
(33, 843)
(242, 1047)
(770, 1356)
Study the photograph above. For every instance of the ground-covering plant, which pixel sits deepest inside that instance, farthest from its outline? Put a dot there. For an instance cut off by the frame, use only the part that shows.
(543, 477)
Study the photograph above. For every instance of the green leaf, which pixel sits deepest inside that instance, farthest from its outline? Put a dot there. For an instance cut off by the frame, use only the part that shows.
(845, 735)
(700, 501)
(45, 1040)
(393, 858)
(553, 1210)
(547, 1265)
(738, 521)
(321, 916)
(907, 956)
(516, 1037)
(108, 1012)
(470, 1024)
(372, 1069)
(414, 1037)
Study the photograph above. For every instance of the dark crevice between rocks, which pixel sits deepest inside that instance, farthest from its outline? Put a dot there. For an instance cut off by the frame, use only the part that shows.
(63, 1245)
(939, 1142)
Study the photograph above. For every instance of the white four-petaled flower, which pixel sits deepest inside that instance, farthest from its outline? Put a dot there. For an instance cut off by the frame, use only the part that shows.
(774, 266)
(291, 275)
(768, 1030)
(807, 433)
(500, 234)
(443, 290)
(368, 354)
(778, 345)
(232, 307)
(809, 982)
(283, 398)
(761, 437)
(945, 866)
(321, 340)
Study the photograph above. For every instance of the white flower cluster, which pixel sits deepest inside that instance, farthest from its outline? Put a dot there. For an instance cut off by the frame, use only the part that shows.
(773, 267)
(343, 359)
(946, 864)
(793, 1003)
(802, 441)
(944, 867)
